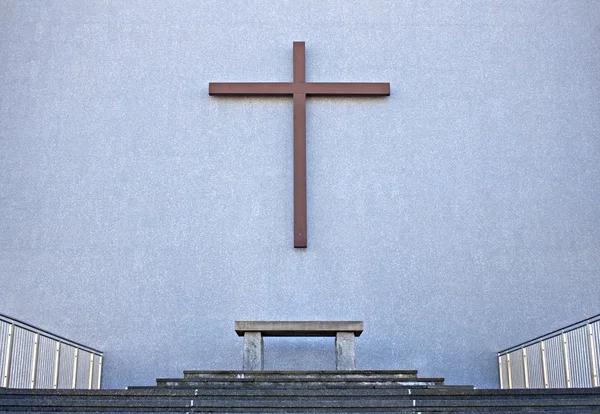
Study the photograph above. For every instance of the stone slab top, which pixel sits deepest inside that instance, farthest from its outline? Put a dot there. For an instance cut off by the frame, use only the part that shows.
(299, 328)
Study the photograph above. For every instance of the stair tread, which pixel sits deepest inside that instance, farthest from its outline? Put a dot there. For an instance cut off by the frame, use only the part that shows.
(305, 391)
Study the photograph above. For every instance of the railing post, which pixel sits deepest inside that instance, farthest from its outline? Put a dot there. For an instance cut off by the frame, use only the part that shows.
(525, 372)
(91, 376)
(508, 371)
(56, 365)
(75, 358)
(567, 367)
(8, 359)
(593, 363)
(34, 362)
(99, 371)
(544, 363)
(500, 371)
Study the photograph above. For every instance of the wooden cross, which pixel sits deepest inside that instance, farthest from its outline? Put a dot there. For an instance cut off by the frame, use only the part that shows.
(299, 89)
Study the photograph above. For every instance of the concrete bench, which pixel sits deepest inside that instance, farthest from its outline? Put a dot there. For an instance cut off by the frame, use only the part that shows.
(254, 331)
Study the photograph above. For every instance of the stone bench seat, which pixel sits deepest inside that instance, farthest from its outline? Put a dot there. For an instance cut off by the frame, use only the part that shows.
(254, 331)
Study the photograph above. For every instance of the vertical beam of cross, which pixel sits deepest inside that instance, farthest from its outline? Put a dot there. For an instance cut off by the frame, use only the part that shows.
(300, 213)
(299, 89)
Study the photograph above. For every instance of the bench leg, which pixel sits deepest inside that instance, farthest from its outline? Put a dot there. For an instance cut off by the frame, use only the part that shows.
(345, 357)
(253, 351)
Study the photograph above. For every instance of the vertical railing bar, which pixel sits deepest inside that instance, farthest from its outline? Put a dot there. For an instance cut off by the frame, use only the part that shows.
(34, 362)
(91, 376)
(56, 365)
(75, 358)
(525, 372)
(544, 363)
(8, 357)
(99, 371)
(593, 363)
(567, 365)
(500, 371)
(508, 371)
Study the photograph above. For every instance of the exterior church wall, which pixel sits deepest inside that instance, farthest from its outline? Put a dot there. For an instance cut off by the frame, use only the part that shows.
(456, 217)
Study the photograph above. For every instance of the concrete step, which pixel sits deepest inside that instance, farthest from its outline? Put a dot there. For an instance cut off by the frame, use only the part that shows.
(304, 383)
(344, 391)
(441, 399)
(363, 403)
(444, 391)
(285, 406)
(263, 375)
(298, 379)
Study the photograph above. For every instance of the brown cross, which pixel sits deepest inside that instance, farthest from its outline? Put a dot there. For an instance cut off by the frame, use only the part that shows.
(299, 89)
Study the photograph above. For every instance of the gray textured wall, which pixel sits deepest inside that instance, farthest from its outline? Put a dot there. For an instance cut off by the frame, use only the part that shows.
(456, 217)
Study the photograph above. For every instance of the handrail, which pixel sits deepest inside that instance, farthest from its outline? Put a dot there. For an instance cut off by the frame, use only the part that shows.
(568, 357)
(32, 357)
(35, 329)
(566, 329)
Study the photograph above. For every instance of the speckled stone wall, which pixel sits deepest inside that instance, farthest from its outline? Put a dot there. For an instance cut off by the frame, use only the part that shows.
(456, 217)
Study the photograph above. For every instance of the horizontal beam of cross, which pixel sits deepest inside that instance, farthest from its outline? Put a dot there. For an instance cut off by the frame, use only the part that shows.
(308, 88)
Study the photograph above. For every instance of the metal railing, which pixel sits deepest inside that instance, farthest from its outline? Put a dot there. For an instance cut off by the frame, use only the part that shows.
(565, 358)
(34, 358)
